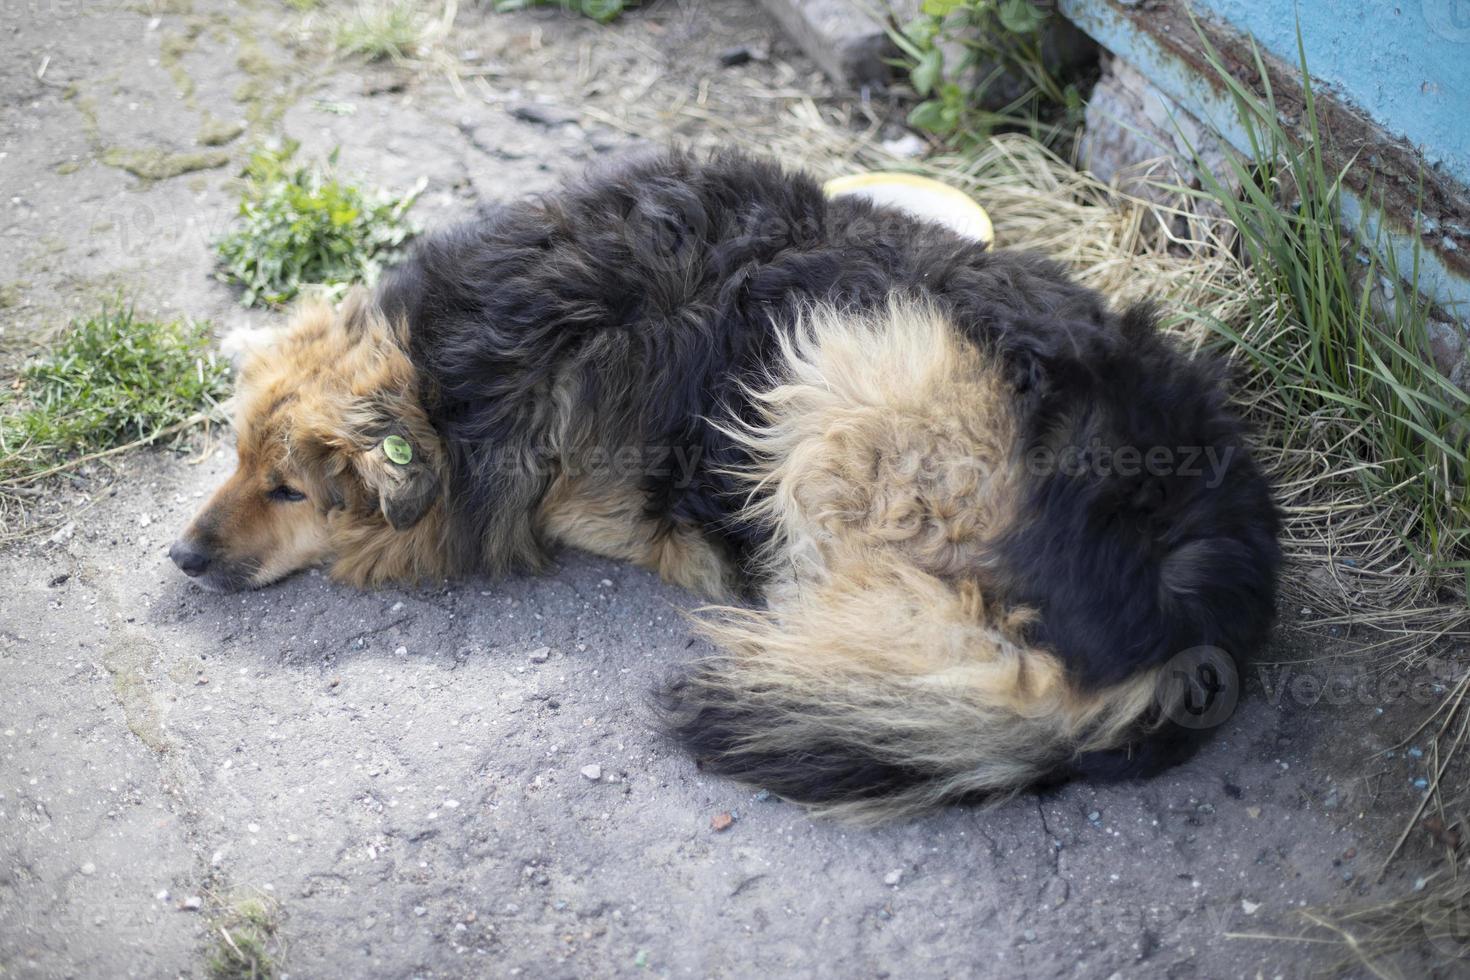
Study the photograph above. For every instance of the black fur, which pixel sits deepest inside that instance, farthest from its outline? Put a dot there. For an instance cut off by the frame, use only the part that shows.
(656, 288)
(1129, 569)
(652, 291)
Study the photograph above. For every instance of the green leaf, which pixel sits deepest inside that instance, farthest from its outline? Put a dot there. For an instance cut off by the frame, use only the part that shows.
(1020, 16)
(928, 71)
(929, 115)
(302, 225)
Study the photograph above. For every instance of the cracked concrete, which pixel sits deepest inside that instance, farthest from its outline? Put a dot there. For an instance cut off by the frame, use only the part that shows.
(394, 768)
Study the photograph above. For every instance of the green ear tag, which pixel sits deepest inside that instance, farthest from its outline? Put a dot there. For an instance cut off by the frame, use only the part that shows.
(398, 450)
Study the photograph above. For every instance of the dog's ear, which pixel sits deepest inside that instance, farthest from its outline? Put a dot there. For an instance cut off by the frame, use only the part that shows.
(1051, 360)
(373, 462)
(399, 470)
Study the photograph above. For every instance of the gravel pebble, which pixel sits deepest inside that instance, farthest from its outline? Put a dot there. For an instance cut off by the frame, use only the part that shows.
(592, 772)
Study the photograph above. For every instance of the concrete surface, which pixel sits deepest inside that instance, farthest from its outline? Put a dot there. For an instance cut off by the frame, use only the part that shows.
(402, 772)
(845, 37)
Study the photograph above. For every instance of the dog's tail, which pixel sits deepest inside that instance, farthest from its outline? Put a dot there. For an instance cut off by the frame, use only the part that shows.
(878, 696)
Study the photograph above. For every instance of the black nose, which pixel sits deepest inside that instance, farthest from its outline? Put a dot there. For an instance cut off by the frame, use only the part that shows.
(191, 561)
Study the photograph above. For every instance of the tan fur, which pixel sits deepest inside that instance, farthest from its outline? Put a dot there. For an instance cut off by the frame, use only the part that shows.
(607, 518)
(883, 433)
(309, 411)
(883, 470)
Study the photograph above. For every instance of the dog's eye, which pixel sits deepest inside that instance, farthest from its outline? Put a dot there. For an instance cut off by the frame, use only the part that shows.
(286, 495)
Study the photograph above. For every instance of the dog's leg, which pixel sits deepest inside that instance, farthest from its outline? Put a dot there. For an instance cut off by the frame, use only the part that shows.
(608, 518)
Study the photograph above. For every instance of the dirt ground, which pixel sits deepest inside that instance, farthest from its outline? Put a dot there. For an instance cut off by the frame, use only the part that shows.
(401, 773)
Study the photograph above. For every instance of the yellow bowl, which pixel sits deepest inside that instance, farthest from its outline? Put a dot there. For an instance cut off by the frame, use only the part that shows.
(922, 197)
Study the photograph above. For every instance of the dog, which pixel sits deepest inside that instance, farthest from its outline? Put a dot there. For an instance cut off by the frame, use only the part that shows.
(963, 519)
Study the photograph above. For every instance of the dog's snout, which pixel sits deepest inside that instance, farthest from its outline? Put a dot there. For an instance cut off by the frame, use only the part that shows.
(191, 560)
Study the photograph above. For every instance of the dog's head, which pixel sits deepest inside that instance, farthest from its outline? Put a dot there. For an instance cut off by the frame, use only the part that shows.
(334, 452)
(1150, 530)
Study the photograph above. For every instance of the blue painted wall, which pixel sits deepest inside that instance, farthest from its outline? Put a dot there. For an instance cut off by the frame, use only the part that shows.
(1406, 63)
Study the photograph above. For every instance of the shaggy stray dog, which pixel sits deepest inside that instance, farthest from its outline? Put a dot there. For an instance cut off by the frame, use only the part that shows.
(983, 512)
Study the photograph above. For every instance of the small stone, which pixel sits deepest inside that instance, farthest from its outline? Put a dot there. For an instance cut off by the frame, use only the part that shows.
(420, 911)
(89, 868)
(400, 651)
(907, 146)
(1254, 812)
(733, 57)
(191, 904)
(721, 822)
(542, 115)
(592, 772)
(1029, 935)
(540, 655)
(1249, 907)
(893, 877)
(1094, 816)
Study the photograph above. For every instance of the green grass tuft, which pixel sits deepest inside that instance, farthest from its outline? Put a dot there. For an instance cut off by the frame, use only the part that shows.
(245, 937)
(1343, 360)
(112, 379)
(995, 78)
(303, 226)
(602, 11)
(379, 29)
